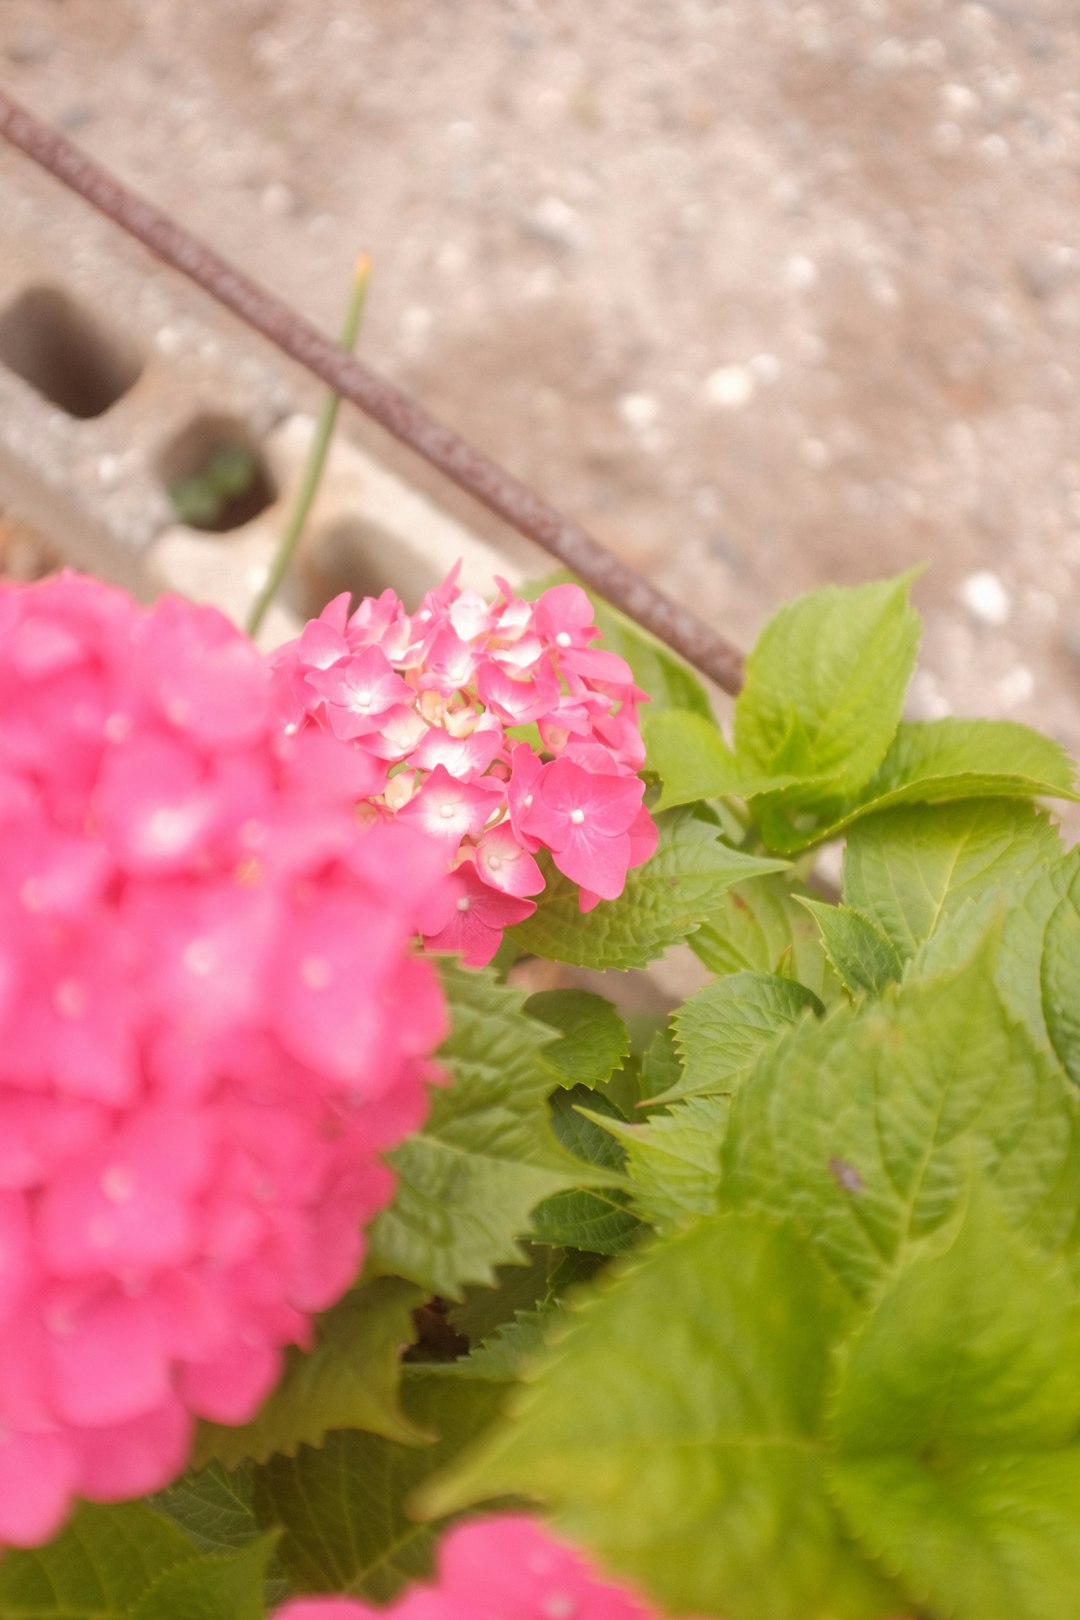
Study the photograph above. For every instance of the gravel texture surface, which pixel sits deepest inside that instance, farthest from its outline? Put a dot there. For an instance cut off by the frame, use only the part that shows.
(766, 293)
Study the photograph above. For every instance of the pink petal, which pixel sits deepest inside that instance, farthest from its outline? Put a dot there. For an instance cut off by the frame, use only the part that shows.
(597, 862)
(470, 616)
(525, 769)
(153, 804)
(18, 1269)
(464, 757)
(400, 729)
(327, 976)
(448, 810)
(123, 1460)
(319, 768)
(207, 680)
(107, 1360)
(476, 925)
(565, 610)
(336, 612)
(600, 668)
(53, 873)
(644, 836)
(505, 865)
(516, 702)
(571, 797)
(38, 1475)
(321, 644)
(406, 871)
(127, 1207)
(38, 1133)
(231, 1388)
(360, 692)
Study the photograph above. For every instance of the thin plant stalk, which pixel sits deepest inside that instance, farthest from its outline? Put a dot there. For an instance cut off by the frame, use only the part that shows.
(320, 448)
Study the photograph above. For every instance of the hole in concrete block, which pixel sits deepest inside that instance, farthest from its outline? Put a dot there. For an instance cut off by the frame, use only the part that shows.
(216, 476)
(60, 349)
(357, 555)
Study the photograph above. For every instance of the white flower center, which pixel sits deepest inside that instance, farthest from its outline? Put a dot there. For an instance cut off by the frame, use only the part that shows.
(563, 638)
(118, 1184)
(559, 1606)
(168, 827)
(70, 998)
(464, 903)
(315, 972)
(200, 958)
(577, 817)
(32, 895)
(447, 811)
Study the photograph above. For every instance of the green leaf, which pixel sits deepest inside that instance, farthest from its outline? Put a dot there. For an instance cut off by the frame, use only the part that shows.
(228, 1587)
(722, 1030)
(1061, 981)
(98, 1568)
(673, 1161)
(824, 688)
(342, 1507)
(599, 1222)
(690, 757)
(510, 1351)
(661, 1067)
(995, 1536)
(954, 1393)
(1037, 961)
(865, 1128)
(520, 1287)
(1022, 953)
(213, 1507)
(712, 1427)
(468, 1182)
(759, 927)
(349, 1381)
(593, 1039)
(864, 958)
(937, 760)
(908, 871)
(973, 1345)
(664, 901)
(932, 760)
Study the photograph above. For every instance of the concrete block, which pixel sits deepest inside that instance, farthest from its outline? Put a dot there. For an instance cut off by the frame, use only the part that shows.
(367, 530)
(105, 363)
(118, 379)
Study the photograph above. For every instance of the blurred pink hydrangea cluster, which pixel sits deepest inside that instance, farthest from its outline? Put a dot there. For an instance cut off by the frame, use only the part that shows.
(204, 966)
(451, 711)
(505, 1568)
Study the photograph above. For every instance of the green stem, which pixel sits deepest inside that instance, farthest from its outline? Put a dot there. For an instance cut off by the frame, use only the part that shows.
(320, 447)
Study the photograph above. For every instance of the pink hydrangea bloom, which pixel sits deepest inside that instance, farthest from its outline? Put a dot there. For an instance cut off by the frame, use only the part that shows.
(505, 1568)
(437, 706)
(204, 958)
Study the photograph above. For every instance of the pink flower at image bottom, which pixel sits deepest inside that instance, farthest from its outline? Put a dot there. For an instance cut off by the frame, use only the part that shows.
(504, 1568)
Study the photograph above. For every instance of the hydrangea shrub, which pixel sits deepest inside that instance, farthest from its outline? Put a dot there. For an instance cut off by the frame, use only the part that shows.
(763, 1308)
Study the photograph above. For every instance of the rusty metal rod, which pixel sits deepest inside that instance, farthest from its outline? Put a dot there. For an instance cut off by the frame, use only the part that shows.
(466, 466)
